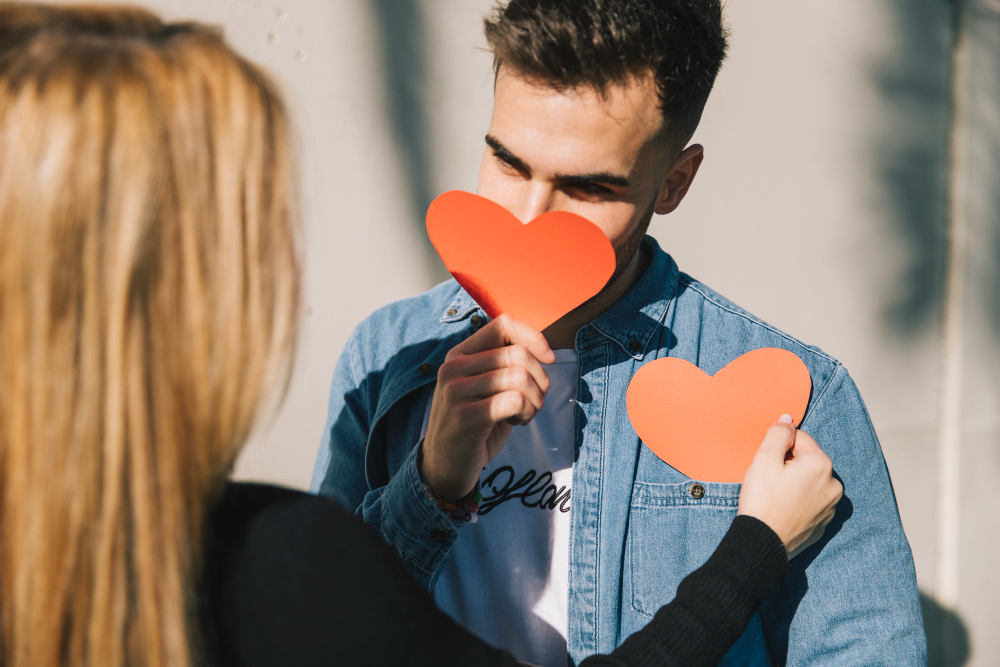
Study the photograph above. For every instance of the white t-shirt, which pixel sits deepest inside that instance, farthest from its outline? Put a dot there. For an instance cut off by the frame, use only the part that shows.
(506, 578)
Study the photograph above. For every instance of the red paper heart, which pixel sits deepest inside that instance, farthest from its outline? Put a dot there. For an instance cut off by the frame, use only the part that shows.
(710, 427)
(535, 272)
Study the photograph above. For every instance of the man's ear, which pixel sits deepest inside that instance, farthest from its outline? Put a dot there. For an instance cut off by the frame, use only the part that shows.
(678, 179)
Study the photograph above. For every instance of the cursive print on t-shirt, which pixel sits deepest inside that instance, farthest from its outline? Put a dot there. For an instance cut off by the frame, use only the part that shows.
(531, 489)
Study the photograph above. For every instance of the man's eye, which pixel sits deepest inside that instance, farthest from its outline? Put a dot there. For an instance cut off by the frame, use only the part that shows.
(593, 190)
(505, 164)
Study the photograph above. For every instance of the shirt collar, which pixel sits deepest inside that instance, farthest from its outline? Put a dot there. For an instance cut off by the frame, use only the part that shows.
(631, 322)
(634, 319)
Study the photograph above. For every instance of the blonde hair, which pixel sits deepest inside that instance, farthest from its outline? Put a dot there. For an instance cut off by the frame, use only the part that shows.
(148, 304)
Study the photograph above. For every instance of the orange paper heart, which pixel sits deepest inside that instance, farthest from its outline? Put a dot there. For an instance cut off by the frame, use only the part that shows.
(535, 272)
(710, 427)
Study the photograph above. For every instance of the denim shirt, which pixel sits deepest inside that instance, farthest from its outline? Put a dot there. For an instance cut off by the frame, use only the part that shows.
(636, 528)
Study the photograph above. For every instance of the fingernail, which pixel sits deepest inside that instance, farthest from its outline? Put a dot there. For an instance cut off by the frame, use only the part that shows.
(785, 419)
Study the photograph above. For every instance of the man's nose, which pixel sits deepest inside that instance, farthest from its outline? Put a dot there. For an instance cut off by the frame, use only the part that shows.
(535, 201)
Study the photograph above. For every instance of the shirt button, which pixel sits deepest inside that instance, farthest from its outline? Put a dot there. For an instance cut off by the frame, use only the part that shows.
(424, 369)
(477, 321)
(439, 536)
(452, 312)
(634, 346)
(697, 491)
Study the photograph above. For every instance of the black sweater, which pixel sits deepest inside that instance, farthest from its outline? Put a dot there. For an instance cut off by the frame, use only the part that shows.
(294, 579)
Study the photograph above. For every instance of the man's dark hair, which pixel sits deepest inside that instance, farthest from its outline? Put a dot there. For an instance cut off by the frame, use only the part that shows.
(571, 43)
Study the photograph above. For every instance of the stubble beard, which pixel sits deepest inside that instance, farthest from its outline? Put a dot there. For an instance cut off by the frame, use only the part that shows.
(624, 256)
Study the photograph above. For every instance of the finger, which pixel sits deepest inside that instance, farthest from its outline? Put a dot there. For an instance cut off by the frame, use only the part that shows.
(505, 330)
(486, 413)
(810, 459)
(777, 441)
(508, 405)
(491, 360)
(805, 444)
(512, 378)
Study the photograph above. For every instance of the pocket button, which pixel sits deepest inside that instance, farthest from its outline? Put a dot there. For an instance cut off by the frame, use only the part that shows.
(697, 491)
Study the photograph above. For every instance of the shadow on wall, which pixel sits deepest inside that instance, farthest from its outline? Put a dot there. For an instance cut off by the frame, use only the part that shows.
(403, 40)
(909, 147)
(947, 636)
(981, 31)
(910, 150)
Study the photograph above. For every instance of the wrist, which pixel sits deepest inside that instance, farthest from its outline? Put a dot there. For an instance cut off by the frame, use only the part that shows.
(464, 510)
(449, 491)
(443, 485)
(784, 535)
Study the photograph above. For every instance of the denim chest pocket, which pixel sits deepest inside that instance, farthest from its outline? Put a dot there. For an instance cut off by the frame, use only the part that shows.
(674, 529)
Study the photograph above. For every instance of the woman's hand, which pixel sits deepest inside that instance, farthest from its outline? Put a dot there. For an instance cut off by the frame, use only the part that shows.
(790, 487)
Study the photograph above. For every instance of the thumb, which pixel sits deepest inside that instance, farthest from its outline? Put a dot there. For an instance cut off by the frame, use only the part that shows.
(806, 446)
(778, 440)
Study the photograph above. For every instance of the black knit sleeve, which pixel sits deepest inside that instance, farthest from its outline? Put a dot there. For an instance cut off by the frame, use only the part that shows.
(302, 581)
(298, 580)
(713, 606)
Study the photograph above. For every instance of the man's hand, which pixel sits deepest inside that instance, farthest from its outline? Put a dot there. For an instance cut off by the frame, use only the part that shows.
(488, 383)
(790, 487)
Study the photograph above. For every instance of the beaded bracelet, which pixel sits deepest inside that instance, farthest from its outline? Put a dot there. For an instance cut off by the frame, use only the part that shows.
(465, 510)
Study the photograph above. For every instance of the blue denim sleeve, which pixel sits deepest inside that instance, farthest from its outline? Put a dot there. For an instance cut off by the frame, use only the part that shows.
(852, 598)
(340, 462)
(400, 512)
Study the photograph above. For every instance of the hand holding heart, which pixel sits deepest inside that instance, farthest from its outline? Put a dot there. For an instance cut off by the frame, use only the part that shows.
(709, 428)
(794, 495)
(491, 381)
(526, 276)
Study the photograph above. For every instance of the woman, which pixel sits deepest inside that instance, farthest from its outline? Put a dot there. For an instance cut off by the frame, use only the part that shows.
(149, 292)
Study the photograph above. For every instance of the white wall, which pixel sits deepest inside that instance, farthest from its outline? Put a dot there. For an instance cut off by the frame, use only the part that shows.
(823, 207)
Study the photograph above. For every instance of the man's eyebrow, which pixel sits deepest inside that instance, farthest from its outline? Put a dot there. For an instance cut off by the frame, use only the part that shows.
(566, 180)
(602, 178)
(504, 154)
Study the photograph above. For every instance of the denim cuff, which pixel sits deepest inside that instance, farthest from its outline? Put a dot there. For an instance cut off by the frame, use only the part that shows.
(414, 524)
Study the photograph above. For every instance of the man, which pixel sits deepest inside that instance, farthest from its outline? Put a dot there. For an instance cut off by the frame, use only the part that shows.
(582, 532)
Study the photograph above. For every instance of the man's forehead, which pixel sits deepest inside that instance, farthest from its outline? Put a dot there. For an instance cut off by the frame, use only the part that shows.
(601, 130)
